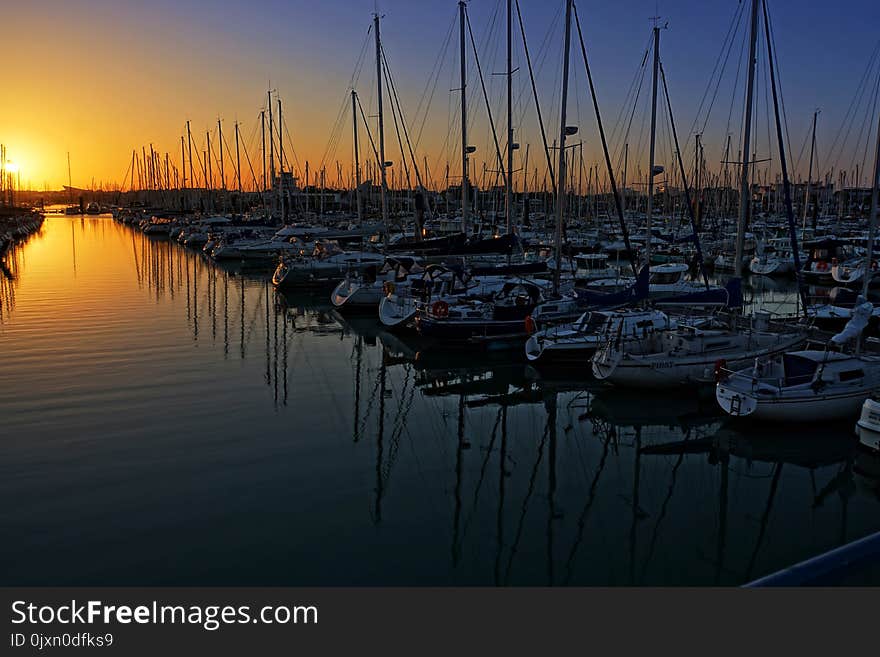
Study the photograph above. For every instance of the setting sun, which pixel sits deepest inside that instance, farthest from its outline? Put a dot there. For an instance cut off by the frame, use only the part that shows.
(12, 167)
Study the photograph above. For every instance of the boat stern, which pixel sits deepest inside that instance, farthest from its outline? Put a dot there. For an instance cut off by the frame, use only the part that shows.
(868, 425)
(734, 402)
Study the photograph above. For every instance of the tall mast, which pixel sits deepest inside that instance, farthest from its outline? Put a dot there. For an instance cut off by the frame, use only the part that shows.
(810, 173)
(623, 182)
(508, 196)
(357, 164)
(872, 226)
(152, 169)
(69, 179)
(222, 169)
(271, 146)
(280, 140)
(190, 146)
(281, 192)
(464, 147)
(237, 165)
(563, 131)
(182, 162)
(745, 192)
(208, 159)
(698, 192)
(263, 138)
(381, 122)
(650, 200)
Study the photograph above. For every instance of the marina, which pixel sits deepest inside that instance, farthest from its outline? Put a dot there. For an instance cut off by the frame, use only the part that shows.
(256, 435)
(647, 356)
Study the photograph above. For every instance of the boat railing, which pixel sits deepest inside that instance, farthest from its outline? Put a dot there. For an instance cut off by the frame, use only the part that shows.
(756, 380)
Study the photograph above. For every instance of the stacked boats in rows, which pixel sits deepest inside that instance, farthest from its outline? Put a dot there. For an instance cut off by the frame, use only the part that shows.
(15, 225)
(661, 328)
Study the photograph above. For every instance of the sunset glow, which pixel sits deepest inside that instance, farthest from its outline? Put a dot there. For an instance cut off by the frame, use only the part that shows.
(136, 72)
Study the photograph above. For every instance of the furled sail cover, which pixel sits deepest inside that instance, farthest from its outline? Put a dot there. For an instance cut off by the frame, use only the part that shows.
(857, 323)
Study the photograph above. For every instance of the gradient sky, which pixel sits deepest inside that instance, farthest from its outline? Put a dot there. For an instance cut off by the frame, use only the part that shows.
(98, 78)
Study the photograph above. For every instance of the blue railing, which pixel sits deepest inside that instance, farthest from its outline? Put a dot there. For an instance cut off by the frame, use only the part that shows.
(829, 568)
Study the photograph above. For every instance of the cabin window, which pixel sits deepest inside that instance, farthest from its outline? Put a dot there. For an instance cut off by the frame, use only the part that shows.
(851, 375)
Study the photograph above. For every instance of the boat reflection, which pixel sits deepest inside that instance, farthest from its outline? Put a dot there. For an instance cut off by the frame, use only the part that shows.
(526, 466)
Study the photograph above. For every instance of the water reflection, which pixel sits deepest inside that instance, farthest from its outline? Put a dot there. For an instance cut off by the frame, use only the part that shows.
(330, 451)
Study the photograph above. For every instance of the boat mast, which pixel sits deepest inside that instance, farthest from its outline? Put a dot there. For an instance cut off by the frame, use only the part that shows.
(382, 162)
(222, 169)
(809, 174)
(281, 193)
(271, 144)
(238, 167)
(182, 162)
(357, 164)
(650, 200)
(263, 138)
(508, 195)
(69, 179)
(623, 182)
(208, 159)
(872, 225)
(190, 146)
(563, 131)
(464, 147)
(745, 192)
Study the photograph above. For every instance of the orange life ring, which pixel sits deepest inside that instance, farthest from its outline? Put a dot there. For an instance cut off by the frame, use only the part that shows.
(531, 327)
(440, 309)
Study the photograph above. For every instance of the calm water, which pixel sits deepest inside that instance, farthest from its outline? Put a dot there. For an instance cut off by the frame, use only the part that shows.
(167, 421)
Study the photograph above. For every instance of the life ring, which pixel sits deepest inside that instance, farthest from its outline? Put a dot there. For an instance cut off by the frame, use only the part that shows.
(440, 309)
(531, 327)
(720, 366)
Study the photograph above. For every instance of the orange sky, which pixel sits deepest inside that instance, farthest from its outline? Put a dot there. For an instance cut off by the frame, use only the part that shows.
(98, 78)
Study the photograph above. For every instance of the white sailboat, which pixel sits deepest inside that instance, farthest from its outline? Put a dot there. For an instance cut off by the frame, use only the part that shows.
(804, 386)
(327, 264)
(689, 354)
(813, 385)
(363, 290)
(577, 341)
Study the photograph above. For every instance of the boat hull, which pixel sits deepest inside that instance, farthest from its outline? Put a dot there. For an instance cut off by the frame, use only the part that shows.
(660, 371)
(397, 311)
(800, 408)
(868, 426)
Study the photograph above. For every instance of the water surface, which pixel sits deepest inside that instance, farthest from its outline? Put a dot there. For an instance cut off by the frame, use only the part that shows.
(164, 420)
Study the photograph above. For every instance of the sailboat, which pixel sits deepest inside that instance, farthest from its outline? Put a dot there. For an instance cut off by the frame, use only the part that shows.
(696, 353)
(577, 341)
(690, 353)
(813, 385)
(366, 289)
(804, 386)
